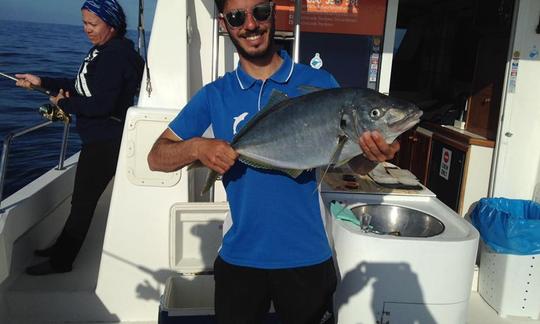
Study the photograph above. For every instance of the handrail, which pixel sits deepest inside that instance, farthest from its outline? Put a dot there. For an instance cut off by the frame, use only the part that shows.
(215, 67)
(297, 20)
(22, 131)
(63, 149)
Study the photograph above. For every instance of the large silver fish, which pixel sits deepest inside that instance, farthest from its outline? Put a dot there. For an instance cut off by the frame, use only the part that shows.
(319, 128)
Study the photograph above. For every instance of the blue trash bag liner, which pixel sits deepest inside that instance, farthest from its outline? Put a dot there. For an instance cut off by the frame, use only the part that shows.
(509, 226)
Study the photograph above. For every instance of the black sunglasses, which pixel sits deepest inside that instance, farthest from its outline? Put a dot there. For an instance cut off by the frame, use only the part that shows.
(237, 17)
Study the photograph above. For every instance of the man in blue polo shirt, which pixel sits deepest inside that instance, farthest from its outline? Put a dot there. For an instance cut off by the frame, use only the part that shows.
(276, 249)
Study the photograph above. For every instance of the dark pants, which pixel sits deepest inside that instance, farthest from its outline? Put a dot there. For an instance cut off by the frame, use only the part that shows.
(95, 169)
(300, 295)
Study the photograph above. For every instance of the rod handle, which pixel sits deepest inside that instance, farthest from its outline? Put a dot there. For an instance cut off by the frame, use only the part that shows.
(42, 90)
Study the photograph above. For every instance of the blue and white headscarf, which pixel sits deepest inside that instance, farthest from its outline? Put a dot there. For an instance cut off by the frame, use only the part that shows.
(108, 10)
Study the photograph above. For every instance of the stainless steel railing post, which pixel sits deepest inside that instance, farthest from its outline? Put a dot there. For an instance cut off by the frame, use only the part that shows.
(297, 21)
(63, 149)
(3, 162)
(6, 147)
(215, 68)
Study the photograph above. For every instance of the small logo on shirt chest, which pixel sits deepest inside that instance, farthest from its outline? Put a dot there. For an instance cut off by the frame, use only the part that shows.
(237, 120)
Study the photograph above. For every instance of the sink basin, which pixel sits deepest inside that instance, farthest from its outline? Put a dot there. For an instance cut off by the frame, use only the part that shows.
(397, 220)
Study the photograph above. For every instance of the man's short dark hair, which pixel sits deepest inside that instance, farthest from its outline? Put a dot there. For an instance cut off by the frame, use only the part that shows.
(220, 4)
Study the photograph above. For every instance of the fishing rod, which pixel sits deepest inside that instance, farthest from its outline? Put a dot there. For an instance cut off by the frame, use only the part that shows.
(49, 111)
(32, 87)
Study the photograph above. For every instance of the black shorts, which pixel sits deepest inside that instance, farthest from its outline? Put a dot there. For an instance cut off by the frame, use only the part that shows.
(300, 295)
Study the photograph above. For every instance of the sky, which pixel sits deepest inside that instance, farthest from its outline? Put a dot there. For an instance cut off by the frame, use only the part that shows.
(68, 11)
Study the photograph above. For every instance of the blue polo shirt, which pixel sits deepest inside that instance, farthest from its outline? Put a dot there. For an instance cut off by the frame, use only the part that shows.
(276, 219)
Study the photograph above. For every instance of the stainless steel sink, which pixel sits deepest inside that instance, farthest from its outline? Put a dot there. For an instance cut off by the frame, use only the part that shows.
(397, 220)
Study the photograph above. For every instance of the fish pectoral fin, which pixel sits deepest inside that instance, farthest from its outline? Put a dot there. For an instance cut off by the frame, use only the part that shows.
(334, 159)
(294, 173)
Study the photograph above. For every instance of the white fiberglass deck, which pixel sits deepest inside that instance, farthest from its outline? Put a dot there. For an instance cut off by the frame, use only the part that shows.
(57, 298)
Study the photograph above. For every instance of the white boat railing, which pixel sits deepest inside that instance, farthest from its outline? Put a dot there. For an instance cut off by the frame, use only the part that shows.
(297, 19)
(8, 139)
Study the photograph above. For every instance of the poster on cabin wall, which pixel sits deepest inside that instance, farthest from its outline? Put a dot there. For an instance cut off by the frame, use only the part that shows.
(351, 17)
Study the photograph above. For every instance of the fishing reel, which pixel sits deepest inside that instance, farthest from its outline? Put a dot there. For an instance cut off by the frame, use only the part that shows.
(54, 113)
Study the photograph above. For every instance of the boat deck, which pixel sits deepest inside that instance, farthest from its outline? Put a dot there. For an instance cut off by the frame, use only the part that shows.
(57, 298)
(479, 313)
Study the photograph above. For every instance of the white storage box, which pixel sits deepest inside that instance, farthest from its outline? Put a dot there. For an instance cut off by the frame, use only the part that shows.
(187, 300)
(510, 283)
(195, 237)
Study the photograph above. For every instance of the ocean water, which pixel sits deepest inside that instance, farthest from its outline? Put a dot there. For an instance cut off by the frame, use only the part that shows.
(51, 50)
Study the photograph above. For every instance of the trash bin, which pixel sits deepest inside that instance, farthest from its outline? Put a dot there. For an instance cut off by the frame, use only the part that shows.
(509, 277)
(509, 225)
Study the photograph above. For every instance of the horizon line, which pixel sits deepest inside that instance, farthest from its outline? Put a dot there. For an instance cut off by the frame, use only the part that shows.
(55, 23)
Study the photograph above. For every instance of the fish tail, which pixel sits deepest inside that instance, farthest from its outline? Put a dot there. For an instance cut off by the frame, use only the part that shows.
(210, 179)
(195, 165)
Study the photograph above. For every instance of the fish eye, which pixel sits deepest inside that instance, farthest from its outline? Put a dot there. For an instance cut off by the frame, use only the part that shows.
(375, 113)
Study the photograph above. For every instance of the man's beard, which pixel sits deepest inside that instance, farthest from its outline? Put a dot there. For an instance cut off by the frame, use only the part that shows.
(266, 53)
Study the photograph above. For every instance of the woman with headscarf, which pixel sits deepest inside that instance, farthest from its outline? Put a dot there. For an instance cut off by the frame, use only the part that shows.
(99, 97)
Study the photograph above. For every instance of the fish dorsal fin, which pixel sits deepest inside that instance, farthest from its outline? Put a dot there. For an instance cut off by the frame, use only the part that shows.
(274, 103)
(305, 89)
(294, 173)
(275, 98)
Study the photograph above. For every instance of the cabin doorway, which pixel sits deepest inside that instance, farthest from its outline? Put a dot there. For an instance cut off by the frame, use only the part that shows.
(450, 59)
